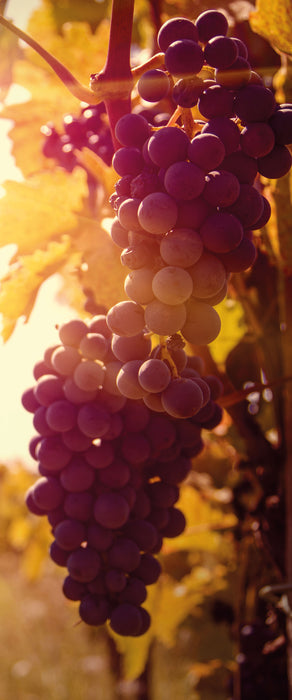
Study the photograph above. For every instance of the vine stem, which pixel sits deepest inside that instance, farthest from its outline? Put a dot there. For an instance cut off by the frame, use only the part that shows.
(118, 68)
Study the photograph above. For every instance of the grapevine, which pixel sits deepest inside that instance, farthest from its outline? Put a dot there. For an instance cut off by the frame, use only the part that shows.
(120, 402)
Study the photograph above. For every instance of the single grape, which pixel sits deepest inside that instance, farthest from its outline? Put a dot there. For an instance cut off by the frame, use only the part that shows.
(154, 375)
(153, 85)
(70, 533)
(157, 213)
(132, 130)
(182, 398)
(211, 23)
(167, 145)
(126, 318)
(207, 151)
(111, 510)
(202, 323)
(176, 28)
(181, 247)
(184, 57)
(164, 319)
(172, 285)
(184, 180)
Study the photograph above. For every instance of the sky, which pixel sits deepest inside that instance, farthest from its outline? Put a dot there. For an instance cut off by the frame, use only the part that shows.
(28, 342)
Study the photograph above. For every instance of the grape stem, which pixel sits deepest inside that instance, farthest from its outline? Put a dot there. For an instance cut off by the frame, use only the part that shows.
(80, 91)
(114, 83)
(166, 356)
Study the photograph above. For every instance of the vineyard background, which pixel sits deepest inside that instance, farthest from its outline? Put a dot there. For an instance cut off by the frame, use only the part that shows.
(207, 602)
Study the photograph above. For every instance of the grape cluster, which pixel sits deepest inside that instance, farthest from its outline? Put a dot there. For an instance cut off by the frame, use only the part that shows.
(109, 472)
(188, 199)
(89, 129)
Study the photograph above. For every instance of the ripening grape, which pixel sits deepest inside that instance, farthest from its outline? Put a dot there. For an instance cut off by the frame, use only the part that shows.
(172, 285)
(164, 319)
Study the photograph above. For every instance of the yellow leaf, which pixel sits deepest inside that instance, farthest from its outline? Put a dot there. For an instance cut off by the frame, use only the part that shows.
(19, 532)
(273, 20)
(232, 329)
(28, 117)
(33, 559)
(101, 271)
(19, 289)
(96, 166)
(34, 212)
(204, 524)
(82, 51)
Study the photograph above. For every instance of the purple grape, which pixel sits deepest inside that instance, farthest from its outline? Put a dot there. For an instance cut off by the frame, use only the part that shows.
(148, 570)
(94, 610)
(211, 23)
(128, 161)
(77, 475)
(254, 103)
(226, 130)
(184, 180)
(187, 91)
(70, 534)
(167, 145)
(126, 619)
(220, 52)
(124, 554)
(216, 101)
(184, 57)
(132, 130)
(275, 164)
(84, 564)
(72, 589)
(153, 85)
(281, 124)
(111, 510)
(134, 592)
(47, 493)
(176, 28)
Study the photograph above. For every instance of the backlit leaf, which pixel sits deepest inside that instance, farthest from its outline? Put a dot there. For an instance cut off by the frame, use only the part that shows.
(205, 523)
(41, 209)
(273, 20)
(232, 329)
(20, 287)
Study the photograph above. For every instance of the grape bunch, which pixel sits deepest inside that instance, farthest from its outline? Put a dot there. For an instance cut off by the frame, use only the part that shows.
(109, 470)
(188, 197)
(89, 128)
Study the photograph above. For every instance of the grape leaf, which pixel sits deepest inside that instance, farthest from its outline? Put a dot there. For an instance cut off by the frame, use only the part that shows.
(232, 330)
(282, 212)
(101, 270)
(169, 602)
(205, 524)
(41, 209)
(82, 51)
(72, 11)
(273, 20)
(20, 287)
(28, 117)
